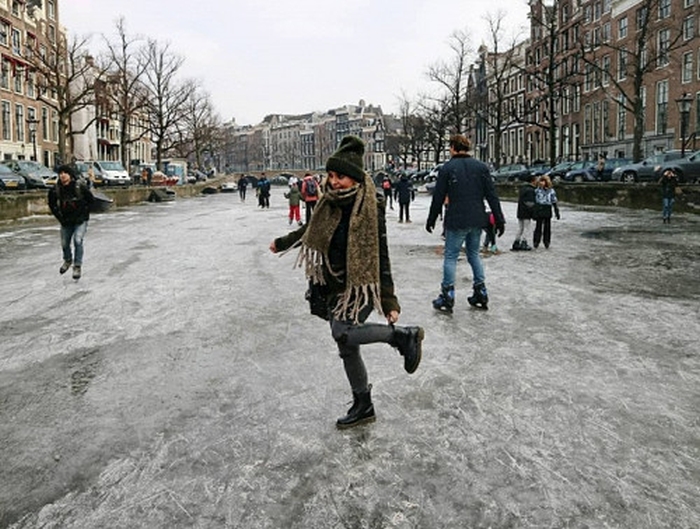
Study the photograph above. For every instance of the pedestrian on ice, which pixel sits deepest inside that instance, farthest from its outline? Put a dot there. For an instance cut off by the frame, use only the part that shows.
(387, 186)
(404, 194)
(264, 192)
(545, 202)
(69, 201)
(310, 193)
(490, 236)
(526, 206)
(466, 182)
(345, 255)
(294, 197)
(242, 187)
(669, 189)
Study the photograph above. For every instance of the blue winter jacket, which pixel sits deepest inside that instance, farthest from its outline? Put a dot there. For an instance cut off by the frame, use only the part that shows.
(466, 182)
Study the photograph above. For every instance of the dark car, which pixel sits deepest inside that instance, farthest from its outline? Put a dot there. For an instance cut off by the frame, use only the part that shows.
(558, 171)
(511, 173)
(539, 169)
(35, 175)
(646, 170)
(10, 181)
(687, 169)
(588, 172)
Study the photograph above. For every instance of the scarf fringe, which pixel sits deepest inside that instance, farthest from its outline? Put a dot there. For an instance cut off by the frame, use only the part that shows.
(313, 263)
(354, 299)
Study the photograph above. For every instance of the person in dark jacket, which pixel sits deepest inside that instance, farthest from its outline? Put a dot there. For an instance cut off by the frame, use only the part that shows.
(69, 201)
(669, 184)
(346, 258)
(404, 194)
(466, 182)
(526, 207)
(264, 192)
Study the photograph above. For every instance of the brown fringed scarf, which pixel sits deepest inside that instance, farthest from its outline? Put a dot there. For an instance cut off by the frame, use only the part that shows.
(362, 266)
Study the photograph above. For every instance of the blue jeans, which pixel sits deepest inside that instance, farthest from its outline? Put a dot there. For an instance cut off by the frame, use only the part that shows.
(667, 204)
(77, 235)
(454, 239)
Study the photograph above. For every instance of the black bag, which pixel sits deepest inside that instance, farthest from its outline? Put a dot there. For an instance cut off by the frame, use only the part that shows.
(316, 296)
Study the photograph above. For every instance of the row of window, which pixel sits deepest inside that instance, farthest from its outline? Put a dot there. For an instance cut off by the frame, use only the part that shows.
(23, 128)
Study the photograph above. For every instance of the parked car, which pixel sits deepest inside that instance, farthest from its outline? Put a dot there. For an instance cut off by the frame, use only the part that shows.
(687, 169)
(10, 181)
(646, 170)
(539, 169)
(89, 172)
(558, 171)
(113, 172)
(35, 175)
(588, 172)
(511, 173)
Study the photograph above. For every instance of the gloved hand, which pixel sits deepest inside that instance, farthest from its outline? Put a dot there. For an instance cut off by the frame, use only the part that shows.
(429, 227)
(500, 229)
(558, 216)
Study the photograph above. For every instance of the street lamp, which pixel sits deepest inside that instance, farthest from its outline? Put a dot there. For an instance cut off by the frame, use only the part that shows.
(684, 103)
(32, 131)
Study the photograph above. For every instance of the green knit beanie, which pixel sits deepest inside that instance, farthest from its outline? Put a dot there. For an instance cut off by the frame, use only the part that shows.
(348, 158)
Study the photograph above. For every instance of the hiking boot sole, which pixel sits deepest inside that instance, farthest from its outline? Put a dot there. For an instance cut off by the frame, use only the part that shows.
(419, 352)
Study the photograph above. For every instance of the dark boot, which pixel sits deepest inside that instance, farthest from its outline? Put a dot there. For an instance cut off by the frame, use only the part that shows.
(516, 245)
(480, 298)
(524, 246)
(408, 340)
(445, 302)
(361, 411)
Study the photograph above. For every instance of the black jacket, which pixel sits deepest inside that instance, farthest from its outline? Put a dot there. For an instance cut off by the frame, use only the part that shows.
(526, 201)
(337, 255)
(403, 191)
(70, 204)
(466, 183)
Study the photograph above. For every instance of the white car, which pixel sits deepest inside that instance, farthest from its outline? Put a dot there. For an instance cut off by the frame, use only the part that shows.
(113, 173)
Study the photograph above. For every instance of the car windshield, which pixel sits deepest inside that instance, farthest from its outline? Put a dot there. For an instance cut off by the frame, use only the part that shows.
(5, 169)
(112, 166)
(29, 166)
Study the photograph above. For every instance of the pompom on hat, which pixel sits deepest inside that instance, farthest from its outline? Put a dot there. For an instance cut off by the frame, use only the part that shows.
(348, 158)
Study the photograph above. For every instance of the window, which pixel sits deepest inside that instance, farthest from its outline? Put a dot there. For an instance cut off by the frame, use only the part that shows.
(19, 79)
(45, 122)
(587, 14)
(587, 124)
(607, 6)
(565, 13)
(16, 42)
(606, 32)
(588, 79)
(621, 117)
(606, 70)
(5, 75)
(606, 120)
(51, 10)
(688, 28)
(621, 64)
(622, 28)
(661, 107)
(4, 32)
(19, 123)
(697, 112)
(641, 18)
(688, 3)
(664, 42)
(597, 10)
(31, 85)
(687, 67)
(664, 9)
(15, 7)
(596, 122)
(6, 121)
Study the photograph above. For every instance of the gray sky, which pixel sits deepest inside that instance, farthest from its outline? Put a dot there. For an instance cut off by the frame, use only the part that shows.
(257, 57)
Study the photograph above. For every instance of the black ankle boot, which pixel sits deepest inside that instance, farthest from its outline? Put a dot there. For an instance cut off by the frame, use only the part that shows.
(361, 411)
(408, 341)
(480, 298)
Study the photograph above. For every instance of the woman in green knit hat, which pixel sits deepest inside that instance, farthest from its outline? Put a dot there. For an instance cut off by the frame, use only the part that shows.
(344, 252)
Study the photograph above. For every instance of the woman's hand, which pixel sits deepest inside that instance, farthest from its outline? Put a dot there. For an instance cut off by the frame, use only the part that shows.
(392, 317)
(273, 247)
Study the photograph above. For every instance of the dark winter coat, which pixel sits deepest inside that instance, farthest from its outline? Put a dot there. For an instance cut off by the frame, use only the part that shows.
(264, 187)
(70, 204)
(526, 202)
(668, 186)
(403, 191)
(466, 182)
(337, 255)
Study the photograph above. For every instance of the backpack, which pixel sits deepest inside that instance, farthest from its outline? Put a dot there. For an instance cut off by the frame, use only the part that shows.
(311, 188)
(386, 184)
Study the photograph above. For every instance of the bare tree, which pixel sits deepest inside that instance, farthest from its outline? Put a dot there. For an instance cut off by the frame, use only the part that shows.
(436, 118)
(168, 97)
(127, 65)
(200, 130)
(65, 82)
(452, 78)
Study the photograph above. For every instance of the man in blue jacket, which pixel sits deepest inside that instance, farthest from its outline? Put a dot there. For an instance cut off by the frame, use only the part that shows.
(464, 183)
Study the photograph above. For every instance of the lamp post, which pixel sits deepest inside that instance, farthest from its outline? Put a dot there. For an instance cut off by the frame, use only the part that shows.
(684, 103)
(32, 131)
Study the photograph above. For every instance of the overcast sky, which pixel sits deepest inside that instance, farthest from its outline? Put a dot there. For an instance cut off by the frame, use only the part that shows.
(258, 57)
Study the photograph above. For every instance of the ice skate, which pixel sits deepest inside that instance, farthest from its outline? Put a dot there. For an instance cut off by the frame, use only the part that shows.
(480, 298)
(445, 301)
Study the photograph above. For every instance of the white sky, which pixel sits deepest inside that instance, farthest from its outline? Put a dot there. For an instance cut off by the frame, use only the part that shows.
(259, 57)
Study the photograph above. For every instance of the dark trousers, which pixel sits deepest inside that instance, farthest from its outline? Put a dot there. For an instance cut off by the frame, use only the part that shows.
(309, 209)
(543, 232)
(403, 209)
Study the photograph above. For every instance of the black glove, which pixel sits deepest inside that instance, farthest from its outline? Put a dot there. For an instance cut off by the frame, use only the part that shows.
(500, 229)
(558, 216)
(556, 212)
(429, 227)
